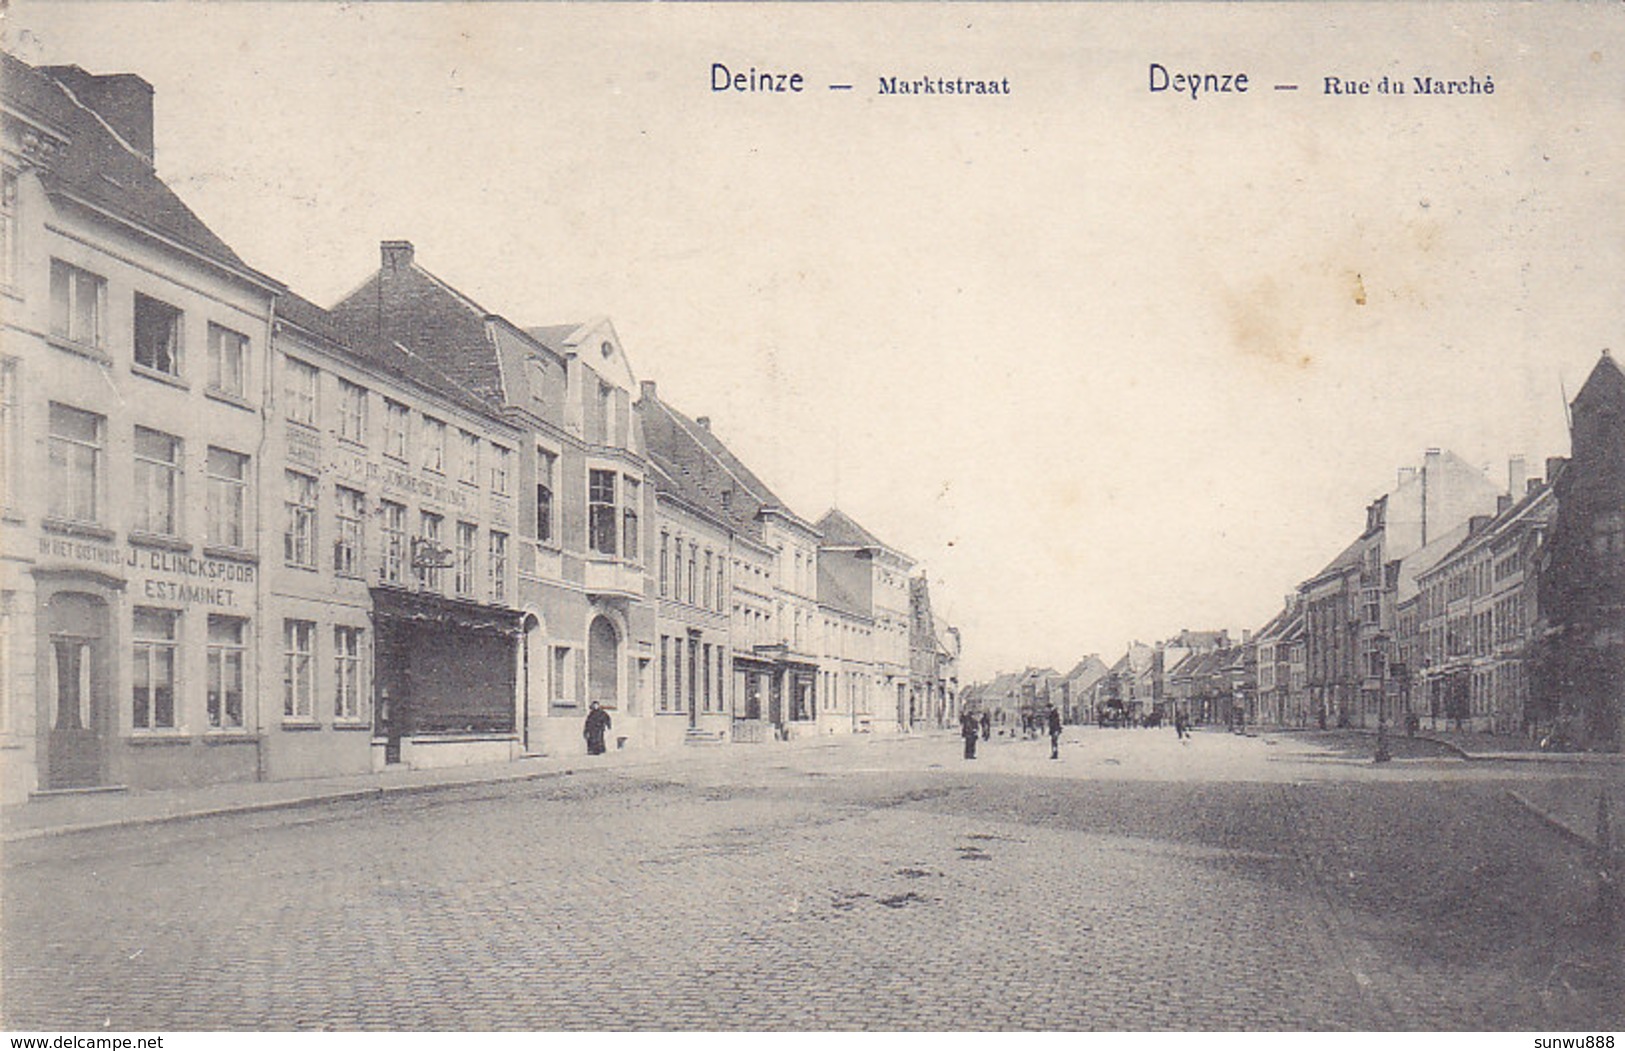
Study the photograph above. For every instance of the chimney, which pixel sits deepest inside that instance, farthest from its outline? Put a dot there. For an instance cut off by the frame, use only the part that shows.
(122, 100)
(1432, 482)
(1534, 485)
(647, 391)
(704, 422)
(1553, 465)
(1517, 475)
(397, 255)
(1503, 501)
(1476, 524)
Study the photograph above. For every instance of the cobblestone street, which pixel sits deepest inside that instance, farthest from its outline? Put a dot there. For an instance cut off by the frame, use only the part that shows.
(1234, 883)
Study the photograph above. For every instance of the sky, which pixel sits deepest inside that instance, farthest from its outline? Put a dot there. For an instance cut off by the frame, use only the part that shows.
(1107, 362)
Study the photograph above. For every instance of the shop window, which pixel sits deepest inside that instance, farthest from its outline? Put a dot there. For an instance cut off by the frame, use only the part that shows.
(392, 523)
(226, 654)
(227, 496)
(76, 464)
(299, 532)
(298, 669)
(157, 482)
(347, 691)
(78, 304)
(352, 412)
(228, 361)
(157, 336)
(299, 383)
(152, 673)
(498, 566)
(347, 535)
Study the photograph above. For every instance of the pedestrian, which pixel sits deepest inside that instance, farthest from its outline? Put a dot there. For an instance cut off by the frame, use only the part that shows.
(597, 722)
(1181, 727)
(968, 729)
(987, 726)
(1054, 733)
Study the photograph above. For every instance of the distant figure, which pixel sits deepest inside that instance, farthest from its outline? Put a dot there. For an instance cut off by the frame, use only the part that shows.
(1181, 727)
(987, 726)
(968, 729)
(1054, 733)
(597, 723)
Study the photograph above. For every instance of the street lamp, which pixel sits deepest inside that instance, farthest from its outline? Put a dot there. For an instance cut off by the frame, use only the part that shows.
(1382, 756)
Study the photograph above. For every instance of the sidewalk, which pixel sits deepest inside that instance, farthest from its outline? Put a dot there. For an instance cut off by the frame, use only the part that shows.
(1469, 745)
(53, 815)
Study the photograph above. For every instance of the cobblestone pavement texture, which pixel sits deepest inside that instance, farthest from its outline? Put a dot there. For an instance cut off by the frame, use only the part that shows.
(1230, 883)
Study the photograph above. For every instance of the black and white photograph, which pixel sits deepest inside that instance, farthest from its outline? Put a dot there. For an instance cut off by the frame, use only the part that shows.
(916, 518)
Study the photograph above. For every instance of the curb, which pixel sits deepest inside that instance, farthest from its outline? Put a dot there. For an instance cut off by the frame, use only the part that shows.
(1555, 822)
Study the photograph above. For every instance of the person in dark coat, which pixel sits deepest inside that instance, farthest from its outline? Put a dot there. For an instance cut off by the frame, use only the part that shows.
(987, 726)
(1054, 719)
(597, 722)
(968, 729)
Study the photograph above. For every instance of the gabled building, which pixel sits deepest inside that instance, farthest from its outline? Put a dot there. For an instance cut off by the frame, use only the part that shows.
(1077, 689)
(578, 479)
(133, 378)
(1579, 687)
(933, 662)
(872, 578)
(1276, 701)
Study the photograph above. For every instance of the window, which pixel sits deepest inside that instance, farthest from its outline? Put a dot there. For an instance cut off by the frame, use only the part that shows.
(693, 561)
(463, 581)
(629, 520)
(227, 496)
(428, 556)
(468, 460)
(397, 417)
(347, 537)
(152, 675)
(721, 598)
(665, 673)
(157, 482)
(705, 685)
(8, 228)
(393, 526)
(705, 593)
(352, 412)
(601, 512)
(298, 672)
(606, 409)
(347, 674)
(434, 444)
(9, 434)
(299, 532)
(78, 304)
(501, 468)
(299, 390)
(563, 676)
(157, 336)
(228, 361)
(545, 462)
(225, 664)
(665, 564)
(677, 570)
(498, 566)
(76, 463)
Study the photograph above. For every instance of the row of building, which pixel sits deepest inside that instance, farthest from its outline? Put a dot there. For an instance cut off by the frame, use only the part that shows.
(246, 537)
(1459, 605)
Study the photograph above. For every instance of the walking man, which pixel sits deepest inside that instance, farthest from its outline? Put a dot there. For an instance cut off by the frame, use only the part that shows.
(987, 726)
(1054, 733)
(968, 729)
(597, 722)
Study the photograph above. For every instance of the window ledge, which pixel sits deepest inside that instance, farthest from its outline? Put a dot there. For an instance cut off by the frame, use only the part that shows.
(161, 377)
(140, 538)
(231, 554)
(302, 567)
(69, 527)
(352, 727)
(235, 400)
(351, 443)
(300, 725)
(83, 350)
(229, 737)
(145, 738)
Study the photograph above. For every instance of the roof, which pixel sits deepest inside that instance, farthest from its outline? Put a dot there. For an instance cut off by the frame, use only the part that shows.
(840, 530)
(1606, 383)
(367, 349)
(832, 592)
(97, 168)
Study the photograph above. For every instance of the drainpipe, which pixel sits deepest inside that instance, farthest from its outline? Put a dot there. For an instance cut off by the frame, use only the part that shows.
(261, 722)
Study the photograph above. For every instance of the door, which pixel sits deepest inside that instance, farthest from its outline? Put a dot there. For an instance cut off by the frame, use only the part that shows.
(391, 674)
(693, 682)
(76, 691)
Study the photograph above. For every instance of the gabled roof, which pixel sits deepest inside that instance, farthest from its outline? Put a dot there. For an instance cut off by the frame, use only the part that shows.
(1346, 560)
(840, 530)
(1087, 671)
(390, 358)
(98, 169)
(1606, 383)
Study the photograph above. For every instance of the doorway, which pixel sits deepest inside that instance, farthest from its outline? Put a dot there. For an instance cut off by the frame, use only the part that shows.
(76, 691)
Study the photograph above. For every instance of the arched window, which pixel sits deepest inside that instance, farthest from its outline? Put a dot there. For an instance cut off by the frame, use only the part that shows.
(603, 662)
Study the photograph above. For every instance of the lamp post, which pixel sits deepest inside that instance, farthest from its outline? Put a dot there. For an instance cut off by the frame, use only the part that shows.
(1382, 756)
